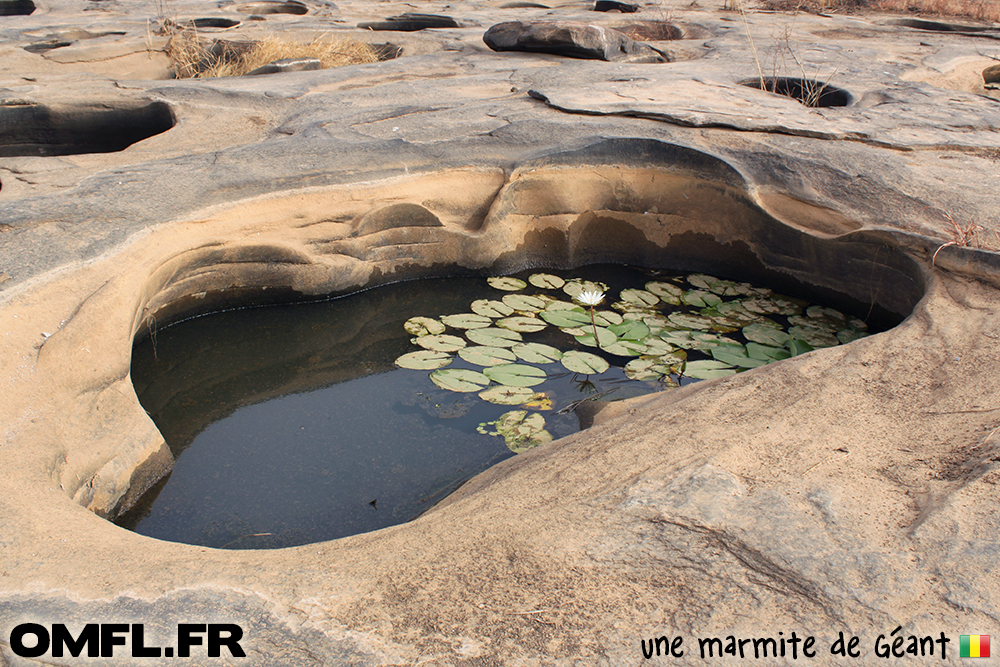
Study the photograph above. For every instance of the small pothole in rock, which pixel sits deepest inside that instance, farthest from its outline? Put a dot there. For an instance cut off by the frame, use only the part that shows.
(213, 22)
(937, 26)
(651, 31)
(16, 7)
(809, 92)
(34, 129)
(270, 7)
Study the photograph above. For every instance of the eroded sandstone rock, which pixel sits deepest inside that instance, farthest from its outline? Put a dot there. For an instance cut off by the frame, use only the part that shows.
(572, 39)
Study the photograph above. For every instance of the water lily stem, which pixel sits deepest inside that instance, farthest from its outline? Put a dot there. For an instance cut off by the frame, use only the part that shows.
(593, 321)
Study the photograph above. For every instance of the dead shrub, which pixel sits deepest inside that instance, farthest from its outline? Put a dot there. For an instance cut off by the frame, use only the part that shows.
(194, 56)
(982, 10)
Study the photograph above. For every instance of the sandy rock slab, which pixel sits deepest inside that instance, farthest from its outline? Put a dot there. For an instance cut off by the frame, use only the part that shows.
(848, 490)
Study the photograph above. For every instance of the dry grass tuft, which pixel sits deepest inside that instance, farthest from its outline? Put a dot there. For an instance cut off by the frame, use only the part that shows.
(196, 57)
(982, 10)
(970, 236)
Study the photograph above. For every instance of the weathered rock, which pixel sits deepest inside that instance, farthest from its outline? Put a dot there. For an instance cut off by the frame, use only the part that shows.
(410, 22)
(288, 65)
(615, 6)
(992, 74)
(656, 31)
(575, 40)
(851, 489)
(41, 47)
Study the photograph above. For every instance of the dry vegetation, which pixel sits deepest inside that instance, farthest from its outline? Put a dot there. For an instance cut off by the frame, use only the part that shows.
(983, 10)
(194, 56)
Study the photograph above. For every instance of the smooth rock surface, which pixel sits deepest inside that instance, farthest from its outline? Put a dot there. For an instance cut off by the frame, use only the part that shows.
(288, 65)
(575, 40)
(852, 489)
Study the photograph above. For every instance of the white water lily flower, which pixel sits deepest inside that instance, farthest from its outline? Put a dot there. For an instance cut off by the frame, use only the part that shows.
(590, 298)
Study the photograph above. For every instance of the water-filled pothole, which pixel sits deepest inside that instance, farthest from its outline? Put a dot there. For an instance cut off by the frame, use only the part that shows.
(212, 22)
(301, 423)
(938, 26)
(809, 92)
(273, 7)
(656, 31)
(34, 129)
(16, 7)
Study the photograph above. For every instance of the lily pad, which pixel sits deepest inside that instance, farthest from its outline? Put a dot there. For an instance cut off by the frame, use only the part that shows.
(714, 285)
(522, 324)
(423, 326)
(494, 337)
(691, 340)
(765, 335)
(813, 336)
(584, 362)
(466, 321)
(439, 343)
(540, 401)
(516, 375)
(688, 321)
(483, 355)
(625, 348)
(506, 283)
(537, 353)
(630, 330)
(556, 304)
(761, 306)
(797, 347)
(424, 360)
(707, 369)
(546, 281)
(737, 311)
(701, 299)
(577, 286)
(846, 336)
(491, 308)
(668, 292)
(604, 318)
(521, 430)
(566, 318)
(639, 297)
(720, 322)
(525, 303)
(459, 379)
(657, 346)
(643, 369)
(821, 324)
(504, 395)
(775, 304)
(735, 354)
(604, 337)
(766, 352)
(822, 313)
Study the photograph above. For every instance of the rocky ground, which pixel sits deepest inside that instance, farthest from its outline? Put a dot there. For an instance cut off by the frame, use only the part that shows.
(848, 490)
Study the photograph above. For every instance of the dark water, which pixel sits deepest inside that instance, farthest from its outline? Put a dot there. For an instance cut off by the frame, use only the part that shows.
(291, 424)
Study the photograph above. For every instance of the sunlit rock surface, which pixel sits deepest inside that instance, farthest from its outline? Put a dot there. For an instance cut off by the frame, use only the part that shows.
(852, 489)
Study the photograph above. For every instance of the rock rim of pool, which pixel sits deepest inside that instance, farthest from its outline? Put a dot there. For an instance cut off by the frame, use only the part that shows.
(851, 489)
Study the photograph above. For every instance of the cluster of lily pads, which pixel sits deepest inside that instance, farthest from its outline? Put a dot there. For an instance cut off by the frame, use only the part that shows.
(659, 327)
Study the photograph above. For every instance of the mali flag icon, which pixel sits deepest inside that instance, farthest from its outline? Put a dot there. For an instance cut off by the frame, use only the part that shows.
(974, 646)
